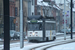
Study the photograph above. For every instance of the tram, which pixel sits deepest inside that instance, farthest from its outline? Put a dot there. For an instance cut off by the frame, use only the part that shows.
(41, 28)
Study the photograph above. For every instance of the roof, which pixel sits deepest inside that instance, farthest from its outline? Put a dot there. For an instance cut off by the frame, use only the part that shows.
(37, 17)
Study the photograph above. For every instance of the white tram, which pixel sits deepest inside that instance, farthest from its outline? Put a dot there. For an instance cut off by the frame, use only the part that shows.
(40, 28)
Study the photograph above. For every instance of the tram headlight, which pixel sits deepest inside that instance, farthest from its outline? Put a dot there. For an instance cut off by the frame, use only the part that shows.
(33, 33)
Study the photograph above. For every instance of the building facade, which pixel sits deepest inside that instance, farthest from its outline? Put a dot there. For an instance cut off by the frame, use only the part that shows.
(31, 7)
(17, 14)
(67, 15)
(12, 14)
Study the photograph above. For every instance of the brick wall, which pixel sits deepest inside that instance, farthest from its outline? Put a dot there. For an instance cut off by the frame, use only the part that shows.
(12, 8)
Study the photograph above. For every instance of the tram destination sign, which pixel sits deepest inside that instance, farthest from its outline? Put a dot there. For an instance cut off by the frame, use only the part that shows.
(33, 21)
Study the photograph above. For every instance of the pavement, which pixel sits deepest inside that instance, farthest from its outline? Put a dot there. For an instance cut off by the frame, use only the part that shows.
(59, 47)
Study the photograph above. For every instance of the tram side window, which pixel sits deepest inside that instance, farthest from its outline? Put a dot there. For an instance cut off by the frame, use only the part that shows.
(54, 26)
(47, 26)
(50, 26)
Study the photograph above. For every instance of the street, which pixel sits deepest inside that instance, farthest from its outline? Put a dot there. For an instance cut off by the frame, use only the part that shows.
(16, 43)
(58, 37)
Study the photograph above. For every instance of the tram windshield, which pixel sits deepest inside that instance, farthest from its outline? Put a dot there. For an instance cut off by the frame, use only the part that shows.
(34, 26)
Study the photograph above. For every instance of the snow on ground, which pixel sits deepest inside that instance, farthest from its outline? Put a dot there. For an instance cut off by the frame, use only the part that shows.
(39, 44)
(17, 48)
(66, 37)
(59, 33)
(69, 46)
(27, 45)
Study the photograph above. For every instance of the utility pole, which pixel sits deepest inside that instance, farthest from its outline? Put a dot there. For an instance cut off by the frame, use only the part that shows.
(64, 22)
(71, 19)
(21, 24)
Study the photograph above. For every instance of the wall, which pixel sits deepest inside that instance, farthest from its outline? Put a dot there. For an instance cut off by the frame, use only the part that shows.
(25, 14)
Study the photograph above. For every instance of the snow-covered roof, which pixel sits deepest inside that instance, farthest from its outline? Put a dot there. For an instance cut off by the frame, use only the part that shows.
(56, 7)
(42, 3)
(45, 4)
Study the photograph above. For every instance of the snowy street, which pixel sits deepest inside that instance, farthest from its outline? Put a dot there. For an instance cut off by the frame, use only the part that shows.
(69, 46)
(37, 24)
(29, 45)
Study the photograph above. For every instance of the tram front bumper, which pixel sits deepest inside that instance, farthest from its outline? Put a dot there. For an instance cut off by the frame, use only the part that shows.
(35, 38)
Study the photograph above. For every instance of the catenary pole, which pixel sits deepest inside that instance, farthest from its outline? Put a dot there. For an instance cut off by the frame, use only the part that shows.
(71, 19)
(64, 22)
(21, 24)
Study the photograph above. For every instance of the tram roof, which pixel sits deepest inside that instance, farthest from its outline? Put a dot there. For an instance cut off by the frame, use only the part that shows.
(37, 17)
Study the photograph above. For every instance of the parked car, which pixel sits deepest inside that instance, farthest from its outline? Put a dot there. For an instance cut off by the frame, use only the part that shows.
(67, 31)
(62, 30)
(17, 35)
(12, 32)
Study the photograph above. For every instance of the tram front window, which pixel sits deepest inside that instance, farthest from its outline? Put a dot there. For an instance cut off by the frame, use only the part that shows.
(34, 26)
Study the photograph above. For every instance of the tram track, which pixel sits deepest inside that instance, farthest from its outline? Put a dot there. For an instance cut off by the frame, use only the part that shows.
(45, 46)
(34, 43)
(61, 43)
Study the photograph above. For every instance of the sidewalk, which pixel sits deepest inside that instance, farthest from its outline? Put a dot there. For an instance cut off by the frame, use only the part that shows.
(69, 46)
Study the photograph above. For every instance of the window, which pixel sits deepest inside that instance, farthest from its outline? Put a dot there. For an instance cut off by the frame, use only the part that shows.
(16, 11)
(50, 26)
(34, 26)
(38, 13)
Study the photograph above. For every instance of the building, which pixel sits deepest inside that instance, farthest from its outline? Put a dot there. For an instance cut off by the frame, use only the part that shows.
(50, 10)
(25, 14)
(67, 15)
(12, 14)
(17, 14)
(31, 7)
